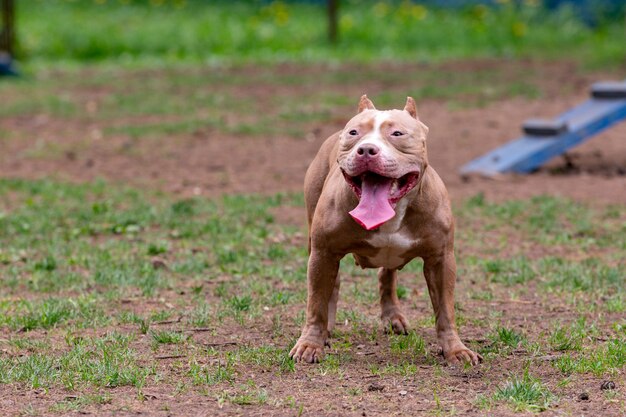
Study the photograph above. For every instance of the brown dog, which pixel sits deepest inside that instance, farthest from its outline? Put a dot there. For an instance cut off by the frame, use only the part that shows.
(370, 192)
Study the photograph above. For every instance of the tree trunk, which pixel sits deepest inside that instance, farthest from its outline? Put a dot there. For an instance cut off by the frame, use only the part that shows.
(333, 11)
(7, 37)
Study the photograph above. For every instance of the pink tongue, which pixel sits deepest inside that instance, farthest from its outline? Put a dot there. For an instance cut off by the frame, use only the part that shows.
(374, 208)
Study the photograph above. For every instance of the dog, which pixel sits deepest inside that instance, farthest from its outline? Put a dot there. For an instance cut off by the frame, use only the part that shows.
(370, 192)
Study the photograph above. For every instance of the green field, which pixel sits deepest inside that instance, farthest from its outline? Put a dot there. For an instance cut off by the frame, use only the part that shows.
(158, 31)
(152, 234)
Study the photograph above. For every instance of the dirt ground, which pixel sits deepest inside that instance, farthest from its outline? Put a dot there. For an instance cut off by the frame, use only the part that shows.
(209, 162)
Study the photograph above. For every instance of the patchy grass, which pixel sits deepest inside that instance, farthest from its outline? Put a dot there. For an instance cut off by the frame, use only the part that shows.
(412, 345)
(608, 358)
(114, 288)
(503, 339)
(168, 337)
(102, 362)
(124, 110)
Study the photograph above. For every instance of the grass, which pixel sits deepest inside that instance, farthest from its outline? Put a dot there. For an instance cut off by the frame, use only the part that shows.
(563, 340)
(128, 111)
(108, 235)
(192, 30)
(168, 337)
(112, 233)
(506, 338)
(411, 345)
(102, 362)
(51, 312)
(76, 215)
(211, 375)
(606, 359)
(110, 294)
(525, 394)
(509, 271)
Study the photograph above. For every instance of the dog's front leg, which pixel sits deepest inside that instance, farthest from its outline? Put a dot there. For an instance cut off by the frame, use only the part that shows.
(321, 276)
(440, 274)
(332, 306)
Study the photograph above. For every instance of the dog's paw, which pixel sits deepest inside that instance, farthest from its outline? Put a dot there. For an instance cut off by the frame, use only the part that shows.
(307, 351)
(395, 322)
(462, 355)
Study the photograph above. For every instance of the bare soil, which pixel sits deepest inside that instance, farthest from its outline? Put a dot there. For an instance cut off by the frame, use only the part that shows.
(210, 162)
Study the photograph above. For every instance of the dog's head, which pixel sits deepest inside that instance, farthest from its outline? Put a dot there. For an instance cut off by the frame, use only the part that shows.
(382, 155)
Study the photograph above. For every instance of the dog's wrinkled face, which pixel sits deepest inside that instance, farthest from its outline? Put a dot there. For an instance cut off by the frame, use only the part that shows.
(382, 155)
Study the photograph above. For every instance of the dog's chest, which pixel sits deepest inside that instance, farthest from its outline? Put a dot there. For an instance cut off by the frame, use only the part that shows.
(392, 242)
(392, 249)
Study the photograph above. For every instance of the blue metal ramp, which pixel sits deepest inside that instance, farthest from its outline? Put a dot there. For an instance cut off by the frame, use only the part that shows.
(545, 139)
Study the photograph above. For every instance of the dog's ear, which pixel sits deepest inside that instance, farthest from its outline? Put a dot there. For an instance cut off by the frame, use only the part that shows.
(365, 104)
(411, 108)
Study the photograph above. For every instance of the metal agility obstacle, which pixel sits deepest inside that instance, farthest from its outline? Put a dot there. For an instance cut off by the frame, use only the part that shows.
(544, 139)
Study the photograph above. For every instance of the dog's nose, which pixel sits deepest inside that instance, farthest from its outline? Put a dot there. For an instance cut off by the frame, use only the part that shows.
(367, 150)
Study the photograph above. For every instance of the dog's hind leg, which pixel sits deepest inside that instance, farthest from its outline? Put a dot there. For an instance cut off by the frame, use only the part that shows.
(391, 312)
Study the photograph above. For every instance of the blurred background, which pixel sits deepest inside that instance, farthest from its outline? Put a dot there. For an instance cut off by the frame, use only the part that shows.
(589, 31)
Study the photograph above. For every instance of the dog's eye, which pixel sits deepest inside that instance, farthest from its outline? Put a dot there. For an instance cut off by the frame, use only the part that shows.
(397, 133)
(353, 132)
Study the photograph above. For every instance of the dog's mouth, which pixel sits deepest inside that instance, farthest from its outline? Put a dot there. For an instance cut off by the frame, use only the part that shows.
(397, 187)
(378, 196)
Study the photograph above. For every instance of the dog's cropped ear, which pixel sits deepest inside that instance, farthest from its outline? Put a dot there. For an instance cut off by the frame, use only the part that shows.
(411, 108)
(365, 104)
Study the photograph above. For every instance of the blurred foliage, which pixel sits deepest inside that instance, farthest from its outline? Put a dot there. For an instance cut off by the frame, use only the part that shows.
(174, 30)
